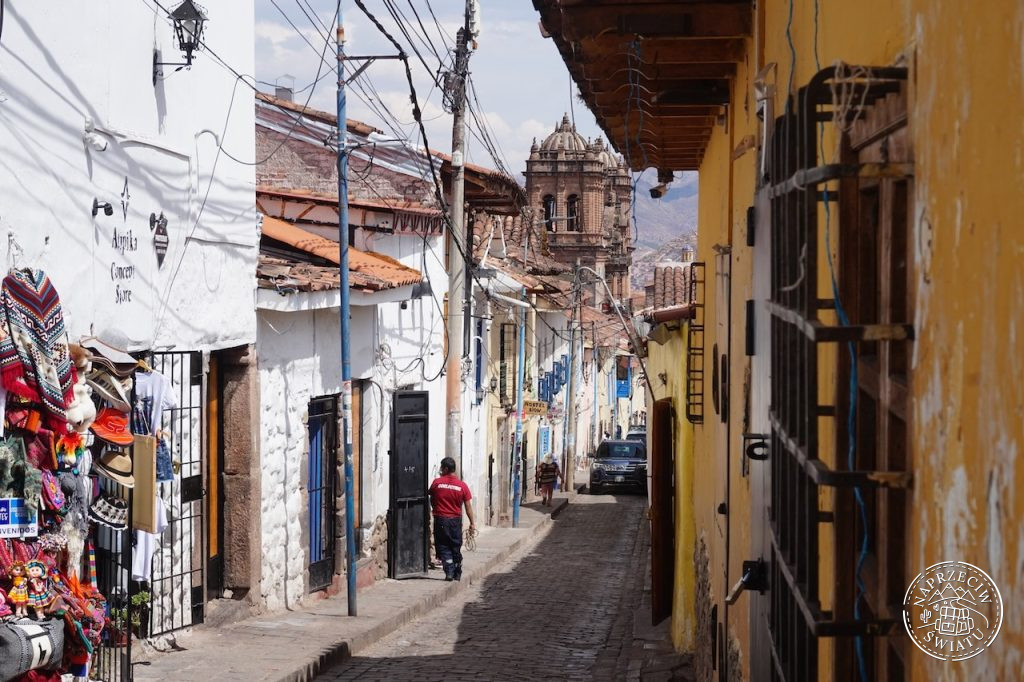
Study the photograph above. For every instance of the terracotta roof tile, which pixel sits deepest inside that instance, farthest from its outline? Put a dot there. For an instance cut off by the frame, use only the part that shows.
(366, 269)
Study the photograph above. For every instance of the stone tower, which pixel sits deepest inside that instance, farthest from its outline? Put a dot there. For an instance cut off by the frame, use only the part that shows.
(580, 196)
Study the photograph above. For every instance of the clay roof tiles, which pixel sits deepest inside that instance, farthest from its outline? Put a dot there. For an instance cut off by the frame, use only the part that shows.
(367, 270)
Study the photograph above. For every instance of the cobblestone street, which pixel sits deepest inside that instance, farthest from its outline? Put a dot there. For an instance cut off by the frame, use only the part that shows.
(566, 610)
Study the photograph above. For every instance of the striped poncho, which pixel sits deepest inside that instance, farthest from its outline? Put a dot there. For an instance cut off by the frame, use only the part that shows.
(34, 359)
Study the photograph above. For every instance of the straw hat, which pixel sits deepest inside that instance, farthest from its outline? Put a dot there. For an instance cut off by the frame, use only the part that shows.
(117, 466)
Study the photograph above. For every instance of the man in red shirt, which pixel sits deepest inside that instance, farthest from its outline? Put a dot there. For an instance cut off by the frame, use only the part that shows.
(448, 495)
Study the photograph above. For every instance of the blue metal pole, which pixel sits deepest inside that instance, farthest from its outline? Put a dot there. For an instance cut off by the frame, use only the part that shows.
(346, 339)
(517, 487)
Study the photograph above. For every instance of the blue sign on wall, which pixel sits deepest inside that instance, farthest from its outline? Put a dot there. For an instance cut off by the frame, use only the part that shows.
(16, 520)
(624, 377)
(544, 445)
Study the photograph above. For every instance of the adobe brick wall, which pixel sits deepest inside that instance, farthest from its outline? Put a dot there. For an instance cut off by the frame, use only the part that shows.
(298, 165)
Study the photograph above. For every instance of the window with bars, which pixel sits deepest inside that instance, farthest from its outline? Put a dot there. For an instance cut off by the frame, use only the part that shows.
(864, 195)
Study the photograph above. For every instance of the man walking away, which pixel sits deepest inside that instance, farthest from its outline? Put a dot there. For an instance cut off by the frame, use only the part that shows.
(448, 496)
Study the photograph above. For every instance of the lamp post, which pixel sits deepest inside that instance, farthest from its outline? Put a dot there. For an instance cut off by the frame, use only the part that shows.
(189, 20)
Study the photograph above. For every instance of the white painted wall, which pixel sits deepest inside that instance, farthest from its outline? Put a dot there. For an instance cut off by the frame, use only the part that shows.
(63, 62)
(299, 359)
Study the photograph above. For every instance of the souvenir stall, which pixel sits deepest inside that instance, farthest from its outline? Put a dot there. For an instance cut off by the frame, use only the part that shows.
(79, 462)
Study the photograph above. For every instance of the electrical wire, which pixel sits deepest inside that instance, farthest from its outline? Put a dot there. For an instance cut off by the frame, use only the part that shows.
(851, 417)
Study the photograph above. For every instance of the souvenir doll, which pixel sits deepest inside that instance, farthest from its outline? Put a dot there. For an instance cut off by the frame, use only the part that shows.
(18, 596)
(40, 593)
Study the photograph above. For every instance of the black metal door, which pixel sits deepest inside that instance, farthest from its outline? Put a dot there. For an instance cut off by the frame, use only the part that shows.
(408, 545)
(320, 488)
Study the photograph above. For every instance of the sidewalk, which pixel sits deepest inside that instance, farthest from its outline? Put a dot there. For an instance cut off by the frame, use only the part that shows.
(295, 645)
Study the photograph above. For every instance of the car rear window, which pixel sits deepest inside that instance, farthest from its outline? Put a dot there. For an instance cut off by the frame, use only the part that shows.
(632, 450)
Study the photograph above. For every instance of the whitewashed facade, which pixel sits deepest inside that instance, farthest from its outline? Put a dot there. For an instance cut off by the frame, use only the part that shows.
(96, 161)
(81, 120)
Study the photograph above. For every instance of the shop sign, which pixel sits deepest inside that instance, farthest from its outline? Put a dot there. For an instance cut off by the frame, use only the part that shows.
(535, 408)
(16, 521)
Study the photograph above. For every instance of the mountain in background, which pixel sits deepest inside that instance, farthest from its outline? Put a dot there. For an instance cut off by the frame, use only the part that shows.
(663, 226)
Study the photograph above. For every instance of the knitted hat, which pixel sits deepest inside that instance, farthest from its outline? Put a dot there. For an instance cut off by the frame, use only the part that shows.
(110, 511)
(35, 362)
(116, 466)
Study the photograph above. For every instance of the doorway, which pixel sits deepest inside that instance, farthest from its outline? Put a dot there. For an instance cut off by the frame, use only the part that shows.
(323, 444)
(409, 528)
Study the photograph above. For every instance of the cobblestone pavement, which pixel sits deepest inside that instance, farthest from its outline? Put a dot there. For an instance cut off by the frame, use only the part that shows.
(565, 611)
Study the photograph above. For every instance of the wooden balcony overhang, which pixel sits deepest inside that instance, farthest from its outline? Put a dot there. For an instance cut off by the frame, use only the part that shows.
(656, 73)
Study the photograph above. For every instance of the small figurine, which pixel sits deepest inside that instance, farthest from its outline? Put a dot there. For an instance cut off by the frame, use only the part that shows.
(5, 608)
(40, 592)
(18, 596)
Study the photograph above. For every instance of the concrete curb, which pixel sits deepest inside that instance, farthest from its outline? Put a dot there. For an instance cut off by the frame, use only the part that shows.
(348, 647)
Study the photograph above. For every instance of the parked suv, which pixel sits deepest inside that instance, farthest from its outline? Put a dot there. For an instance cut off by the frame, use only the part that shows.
(619, 464)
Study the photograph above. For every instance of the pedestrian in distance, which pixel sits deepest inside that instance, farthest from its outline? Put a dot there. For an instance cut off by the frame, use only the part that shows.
(448, 496)
(547, 473)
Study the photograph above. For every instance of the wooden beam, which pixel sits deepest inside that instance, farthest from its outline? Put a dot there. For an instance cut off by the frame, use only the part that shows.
(616, 49)
(690, 20)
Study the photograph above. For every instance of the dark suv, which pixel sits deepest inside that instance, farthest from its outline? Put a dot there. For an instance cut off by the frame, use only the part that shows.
(619, 464)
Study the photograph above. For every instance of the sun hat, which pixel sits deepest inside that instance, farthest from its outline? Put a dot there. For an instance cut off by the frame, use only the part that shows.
(109, 389)
(114, 359)
(112, 426)
(117, 466)
(110, 511)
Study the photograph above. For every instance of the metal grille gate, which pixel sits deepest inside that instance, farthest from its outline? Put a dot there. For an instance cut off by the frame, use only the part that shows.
(797, 473)
(321, 489)
(178, 580)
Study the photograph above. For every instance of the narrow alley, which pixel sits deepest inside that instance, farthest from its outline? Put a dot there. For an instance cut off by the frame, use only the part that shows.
(571, 608)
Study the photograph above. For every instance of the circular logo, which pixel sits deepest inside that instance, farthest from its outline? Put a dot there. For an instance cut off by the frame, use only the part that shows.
(952, 611)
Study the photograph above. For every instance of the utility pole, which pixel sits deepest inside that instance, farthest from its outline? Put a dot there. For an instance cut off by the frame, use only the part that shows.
(346, 339)
(570, 394)
(459, 253)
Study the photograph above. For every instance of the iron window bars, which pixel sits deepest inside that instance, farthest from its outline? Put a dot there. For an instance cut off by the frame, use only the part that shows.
(797, 473)
(322, 489)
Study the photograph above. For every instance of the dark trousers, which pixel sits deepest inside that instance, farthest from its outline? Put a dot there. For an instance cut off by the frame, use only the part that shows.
(448, 543)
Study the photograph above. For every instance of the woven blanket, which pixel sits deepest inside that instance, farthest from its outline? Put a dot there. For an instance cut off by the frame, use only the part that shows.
(35, 362)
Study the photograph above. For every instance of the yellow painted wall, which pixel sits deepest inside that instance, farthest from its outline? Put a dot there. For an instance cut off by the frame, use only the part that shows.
(664, 360)
(966, 113)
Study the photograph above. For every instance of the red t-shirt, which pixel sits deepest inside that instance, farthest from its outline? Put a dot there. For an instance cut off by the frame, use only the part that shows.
(447, 494)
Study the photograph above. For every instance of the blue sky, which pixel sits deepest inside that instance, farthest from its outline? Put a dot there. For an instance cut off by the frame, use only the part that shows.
(521, 82)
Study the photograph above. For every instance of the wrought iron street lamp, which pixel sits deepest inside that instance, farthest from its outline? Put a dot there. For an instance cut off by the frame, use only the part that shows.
(189, 20)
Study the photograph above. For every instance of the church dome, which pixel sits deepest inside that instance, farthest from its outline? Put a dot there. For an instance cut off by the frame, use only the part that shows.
(564, 138)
